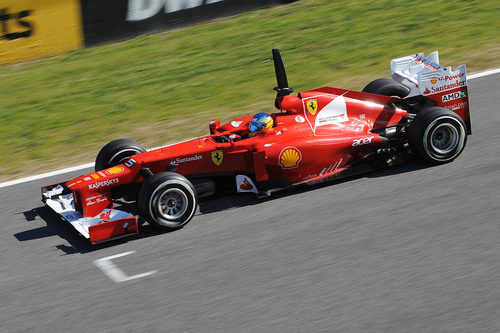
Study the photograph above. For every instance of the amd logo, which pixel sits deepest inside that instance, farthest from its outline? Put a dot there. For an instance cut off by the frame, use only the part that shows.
(139, 10)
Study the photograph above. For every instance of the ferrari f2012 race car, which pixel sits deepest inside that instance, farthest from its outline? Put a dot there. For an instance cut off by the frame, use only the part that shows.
(316, 136)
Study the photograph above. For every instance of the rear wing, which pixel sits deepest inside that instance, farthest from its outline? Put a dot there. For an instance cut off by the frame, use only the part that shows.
(426, 77)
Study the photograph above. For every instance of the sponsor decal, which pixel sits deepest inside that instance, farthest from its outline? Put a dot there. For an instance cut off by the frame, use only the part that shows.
(457, 106)
(130, 162)
(429, 64)
(95, 176)
(187, 159)
(362, 141)
(95, 199)
(105, 216)
(289, 158)
(445, 87)
(455, 95)
(87, 178)
(114, 170)
(334, 112)
(236, 123)
(245, 184)
(299, 119)
(106, 182)
(362, 116)
(427, 91)
(217, 157)
(15, 21)
(312, 106)
(139, 10)
(434, 80)
(278, 133)
(330, 168)
(31, 29)
(268, 145)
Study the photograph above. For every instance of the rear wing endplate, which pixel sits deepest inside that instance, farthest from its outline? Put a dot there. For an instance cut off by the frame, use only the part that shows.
(426, 77)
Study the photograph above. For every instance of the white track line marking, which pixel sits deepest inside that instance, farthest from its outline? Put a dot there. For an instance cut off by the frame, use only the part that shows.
(490, 72)
(90, 165)
(113, 272)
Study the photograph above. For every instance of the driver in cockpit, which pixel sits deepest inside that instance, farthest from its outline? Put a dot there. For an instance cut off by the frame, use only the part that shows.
(260, 123)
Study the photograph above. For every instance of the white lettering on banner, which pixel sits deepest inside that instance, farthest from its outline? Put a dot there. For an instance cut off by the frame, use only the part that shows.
(139, 10)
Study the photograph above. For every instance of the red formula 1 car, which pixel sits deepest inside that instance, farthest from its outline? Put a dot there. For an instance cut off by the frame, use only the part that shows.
(318, 135)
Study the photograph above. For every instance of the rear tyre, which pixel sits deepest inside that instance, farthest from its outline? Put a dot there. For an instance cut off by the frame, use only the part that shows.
(387, 87)
(167, 200)
(437, 134)
(116, 152)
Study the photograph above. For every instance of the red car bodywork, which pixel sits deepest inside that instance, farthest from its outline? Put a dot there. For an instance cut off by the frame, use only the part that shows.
(318, 135)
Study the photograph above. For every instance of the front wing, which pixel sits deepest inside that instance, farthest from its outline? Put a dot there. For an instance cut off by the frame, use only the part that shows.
(107, 225)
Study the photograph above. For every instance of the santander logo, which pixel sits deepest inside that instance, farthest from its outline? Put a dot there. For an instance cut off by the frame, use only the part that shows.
(105, 215)
(246, 186)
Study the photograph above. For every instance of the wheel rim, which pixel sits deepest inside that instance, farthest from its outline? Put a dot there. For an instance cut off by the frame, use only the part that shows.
(172, 204)
(444, 138)
(122, 156)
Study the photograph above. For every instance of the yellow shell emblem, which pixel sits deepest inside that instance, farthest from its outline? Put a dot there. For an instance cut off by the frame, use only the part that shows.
(114, 170)
(289, 158)
(312, 106)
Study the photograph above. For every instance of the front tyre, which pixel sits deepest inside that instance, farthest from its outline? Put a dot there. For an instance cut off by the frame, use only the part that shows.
(438, 135)
(116, 152)
(167, 200)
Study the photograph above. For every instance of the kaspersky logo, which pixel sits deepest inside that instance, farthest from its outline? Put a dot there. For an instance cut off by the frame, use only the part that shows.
(106, 182)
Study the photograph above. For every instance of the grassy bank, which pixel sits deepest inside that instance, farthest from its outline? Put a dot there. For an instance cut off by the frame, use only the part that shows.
(159, 88)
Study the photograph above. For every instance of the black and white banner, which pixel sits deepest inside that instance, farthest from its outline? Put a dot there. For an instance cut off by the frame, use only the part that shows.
(119, 19)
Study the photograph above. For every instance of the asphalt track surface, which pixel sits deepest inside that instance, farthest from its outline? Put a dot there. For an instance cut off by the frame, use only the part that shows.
(408, 249)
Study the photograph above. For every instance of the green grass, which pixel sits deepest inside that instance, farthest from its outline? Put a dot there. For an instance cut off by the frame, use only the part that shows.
(159, 88)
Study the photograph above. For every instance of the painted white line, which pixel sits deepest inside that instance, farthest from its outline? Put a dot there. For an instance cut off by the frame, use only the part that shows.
(63, 171)
(90, 165)
(47, 174)
(490, 72)
(113, 272)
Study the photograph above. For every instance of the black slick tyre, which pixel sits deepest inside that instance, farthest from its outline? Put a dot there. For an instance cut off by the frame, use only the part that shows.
(167, 200)
(116, 152)
(386, 87)
(437, 134)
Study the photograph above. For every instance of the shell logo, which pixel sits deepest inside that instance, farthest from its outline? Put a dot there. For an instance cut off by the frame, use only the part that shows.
(114, 171)
(434, 80)
(289, 158)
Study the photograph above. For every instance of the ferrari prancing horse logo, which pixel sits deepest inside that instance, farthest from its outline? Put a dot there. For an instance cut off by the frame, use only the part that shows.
(312, 106)
(217, 157)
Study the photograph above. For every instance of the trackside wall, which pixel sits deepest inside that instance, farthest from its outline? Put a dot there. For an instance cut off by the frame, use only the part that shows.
(31, 29)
